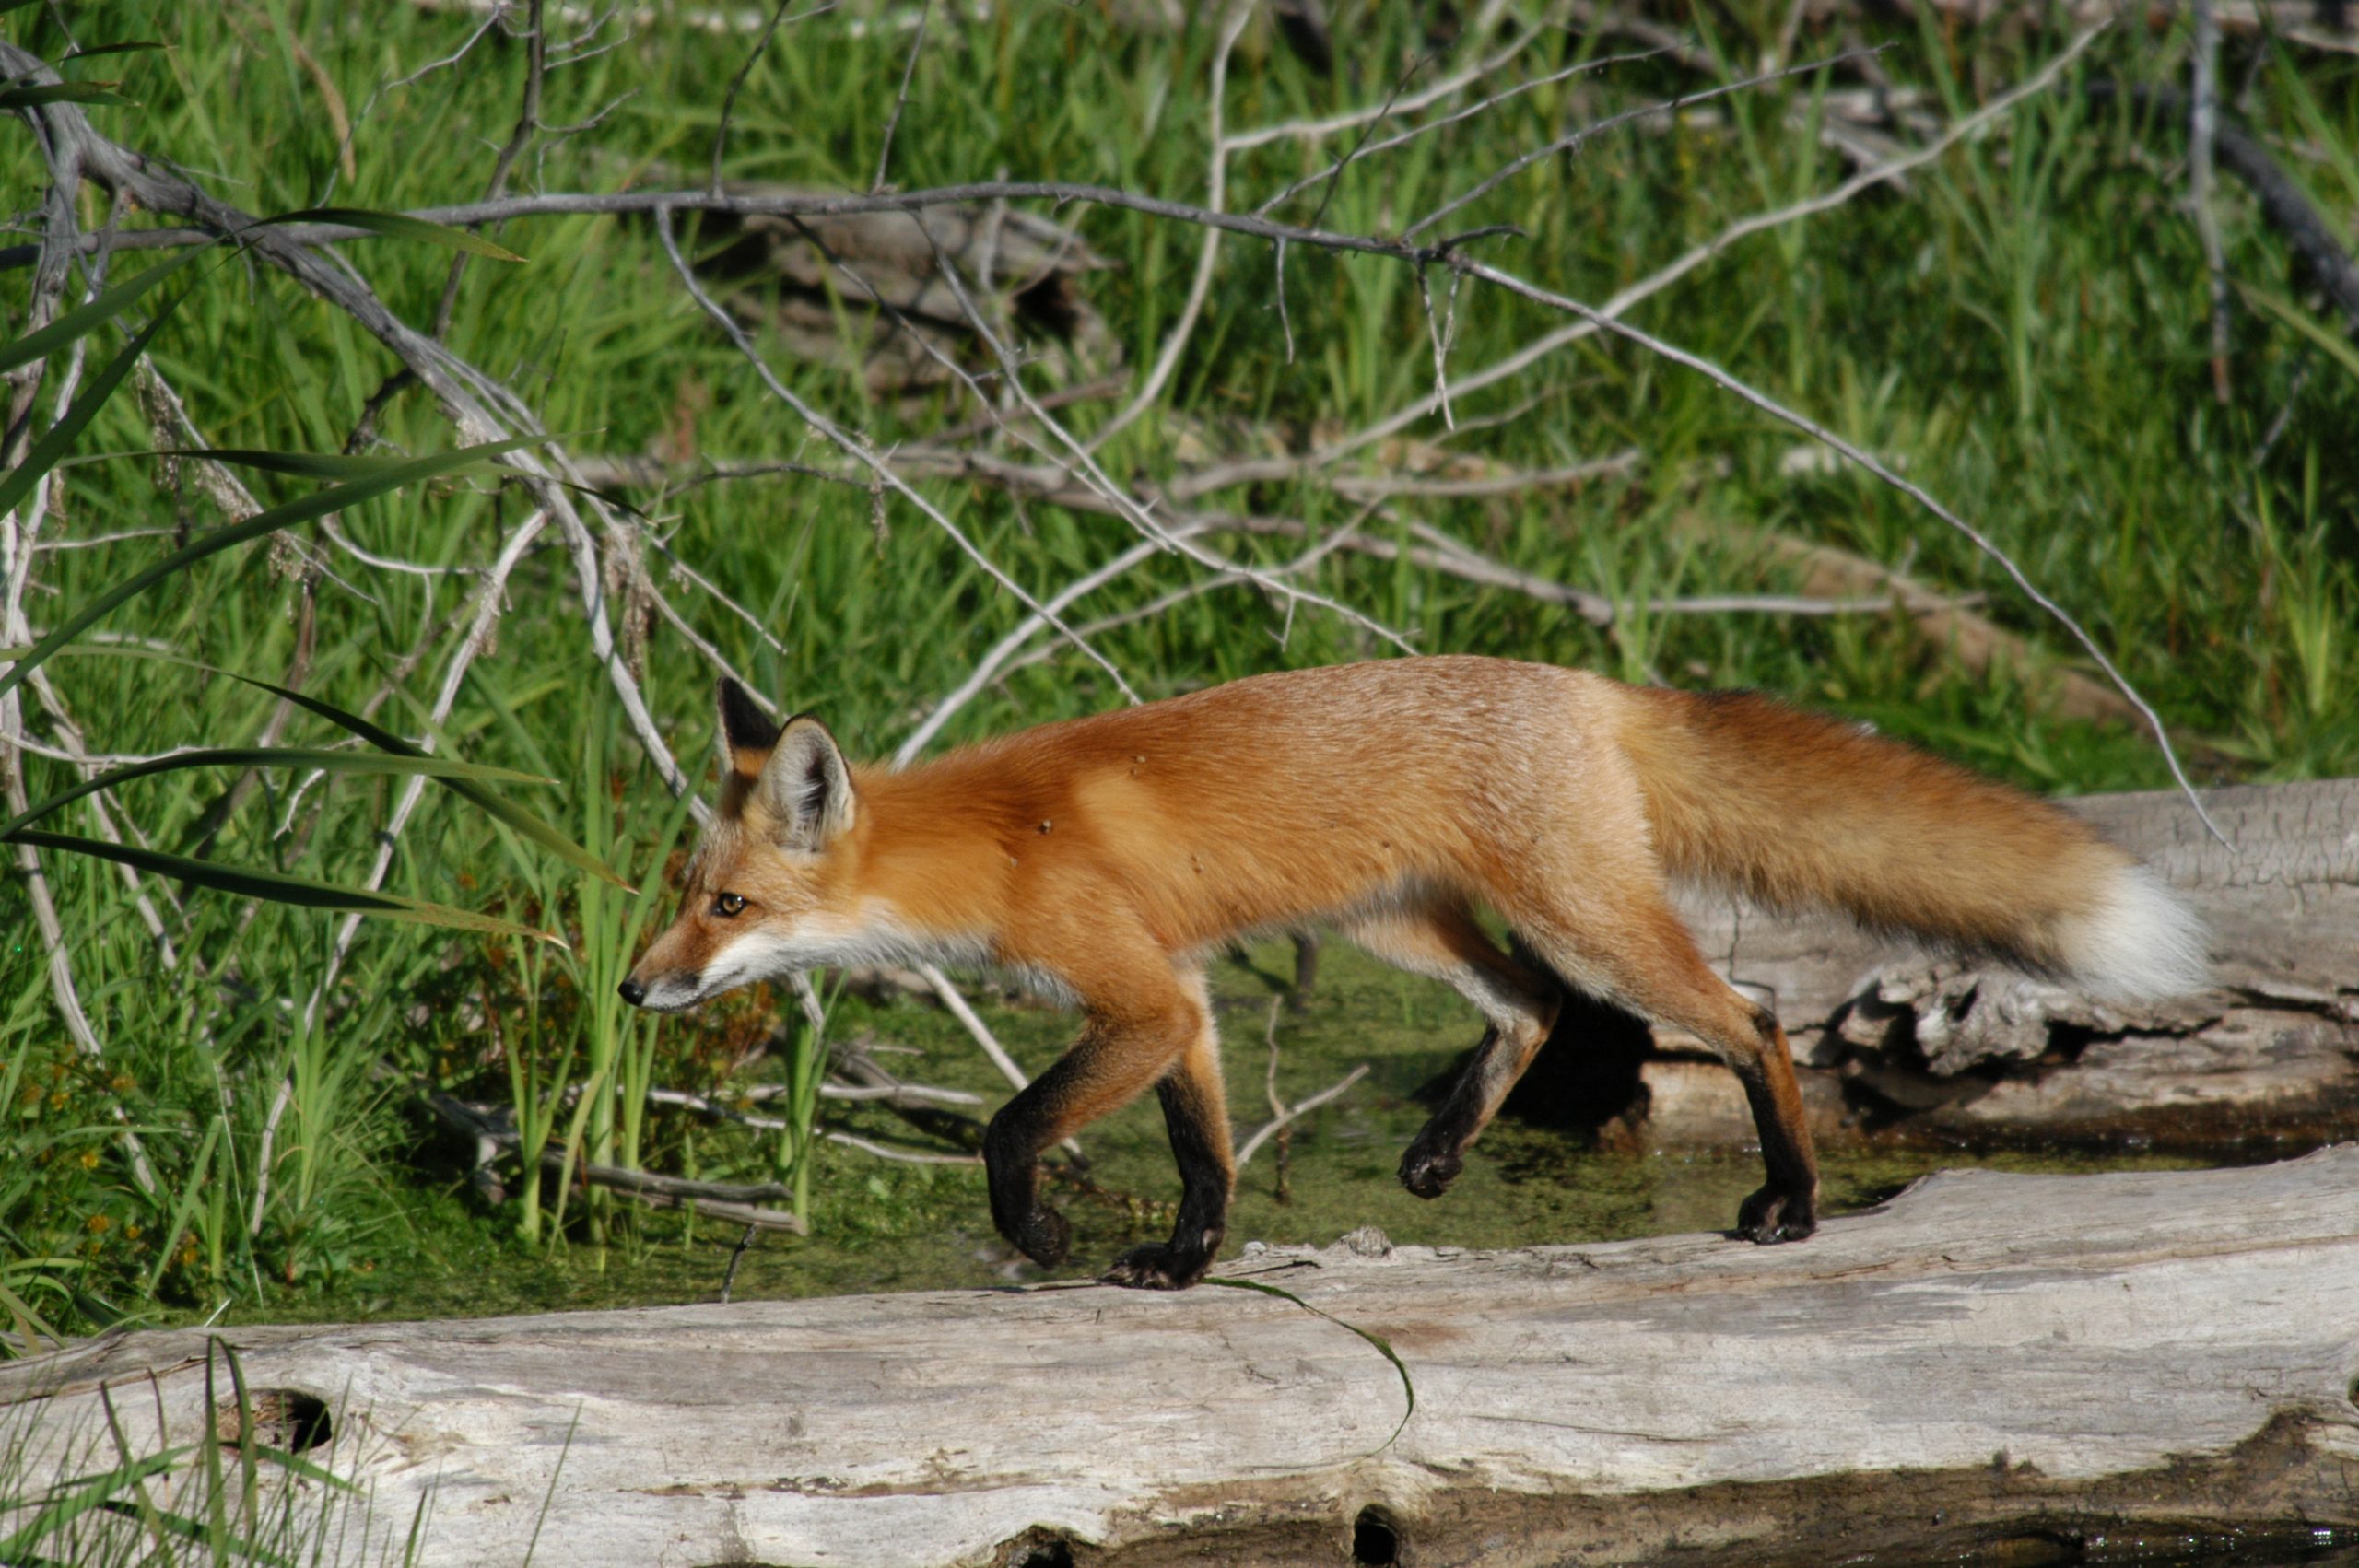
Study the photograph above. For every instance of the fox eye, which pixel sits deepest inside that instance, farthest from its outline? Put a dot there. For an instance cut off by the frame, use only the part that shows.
(729, 904)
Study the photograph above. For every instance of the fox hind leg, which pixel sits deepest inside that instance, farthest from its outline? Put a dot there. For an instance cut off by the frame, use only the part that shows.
(1646, 959)
(1444, 942)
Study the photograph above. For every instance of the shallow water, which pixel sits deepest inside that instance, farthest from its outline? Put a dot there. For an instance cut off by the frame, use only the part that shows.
(885, 1226)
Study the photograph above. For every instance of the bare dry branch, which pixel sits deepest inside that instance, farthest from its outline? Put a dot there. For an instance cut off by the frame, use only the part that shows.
(1729, 383)
(859, 451)
(1175, 342)
(900, 98)
(737, 81)
(727, 1200)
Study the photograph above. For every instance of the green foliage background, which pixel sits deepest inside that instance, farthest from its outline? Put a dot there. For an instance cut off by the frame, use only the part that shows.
(2023, 329)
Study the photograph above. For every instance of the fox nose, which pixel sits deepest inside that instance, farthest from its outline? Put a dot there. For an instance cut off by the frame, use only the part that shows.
(633, 992)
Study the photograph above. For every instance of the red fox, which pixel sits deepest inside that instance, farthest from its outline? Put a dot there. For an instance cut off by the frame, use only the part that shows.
(1108, 857)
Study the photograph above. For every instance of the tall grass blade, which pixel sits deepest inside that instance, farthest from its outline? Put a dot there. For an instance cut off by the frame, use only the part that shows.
(19, 481)
(268, 756)
(62, 93)
(244, 1547)
(71, 1500)
(306, 465)
(184, 1206)
(30, 1326)
(523, 822)
(277, 887)
(310, 509)
(2337, 346)
(110, 304)
(298, 1465)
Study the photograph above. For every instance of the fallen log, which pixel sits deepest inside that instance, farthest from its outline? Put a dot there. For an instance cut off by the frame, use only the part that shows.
(2272, 1052)
(1985, 1359)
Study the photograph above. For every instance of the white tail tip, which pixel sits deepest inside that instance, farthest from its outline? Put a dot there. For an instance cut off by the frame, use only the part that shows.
(2140, 944)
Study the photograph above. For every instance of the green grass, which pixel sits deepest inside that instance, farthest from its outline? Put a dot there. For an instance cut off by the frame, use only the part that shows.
(2022, 330)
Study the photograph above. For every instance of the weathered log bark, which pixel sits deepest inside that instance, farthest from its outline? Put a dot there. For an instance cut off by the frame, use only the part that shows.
(865, 292)
(2273, 1051)
(1986, 1357)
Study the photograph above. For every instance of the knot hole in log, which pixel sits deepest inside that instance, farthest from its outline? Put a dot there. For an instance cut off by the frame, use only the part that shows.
(285, 1419)
(1036, 1549)
(1376, 1538)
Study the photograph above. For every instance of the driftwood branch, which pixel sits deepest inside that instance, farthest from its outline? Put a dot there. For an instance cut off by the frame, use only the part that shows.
(726, 1200)
(1983, 1358)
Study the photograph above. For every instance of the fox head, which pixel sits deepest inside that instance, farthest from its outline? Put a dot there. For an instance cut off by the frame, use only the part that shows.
(767, 893)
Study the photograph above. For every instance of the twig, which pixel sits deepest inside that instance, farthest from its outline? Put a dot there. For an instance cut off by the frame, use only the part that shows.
(970, 1020)
(736, 1256)
(2284, 419)
(743, 1214)
(733, 1200)
(999, 652)
(1333, 174)
(19, 531)
(901, 99)
(1623, 301)
(1409, 103)
(859, 451)
(1573, 139)
(528, 124)
(896, 1095)
(2283, 204)
(760, 628)
(1261, 1134)
(1461, 563)
(492, 12)
(1282, 1189)
(737, 81)
(482, 408)
(904, 1156)
(1334, 170)
(1727, 381)
(940, 457)
(898, 1099)
(1086, 468)
(1215, 190)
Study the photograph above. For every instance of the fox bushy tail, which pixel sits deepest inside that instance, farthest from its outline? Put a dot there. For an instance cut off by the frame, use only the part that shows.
(1799, 810)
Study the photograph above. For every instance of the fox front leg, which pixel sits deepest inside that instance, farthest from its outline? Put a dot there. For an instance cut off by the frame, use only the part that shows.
(1012, 1166)
(1195, 1110)
(1118, 1056)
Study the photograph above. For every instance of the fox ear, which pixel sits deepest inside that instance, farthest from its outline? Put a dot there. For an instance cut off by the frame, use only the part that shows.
(806, 786)
(747, 734)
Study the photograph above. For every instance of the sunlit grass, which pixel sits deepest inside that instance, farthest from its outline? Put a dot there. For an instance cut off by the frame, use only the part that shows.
(2023, 331)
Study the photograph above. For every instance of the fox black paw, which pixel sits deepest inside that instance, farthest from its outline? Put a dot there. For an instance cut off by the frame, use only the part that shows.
(1428, 1170)
(1045, 1237)
(1774, 1215)
(1157, 1265)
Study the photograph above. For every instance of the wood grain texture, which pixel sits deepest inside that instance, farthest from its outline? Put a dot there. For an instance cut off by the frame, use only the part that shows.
(2174, 1348)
